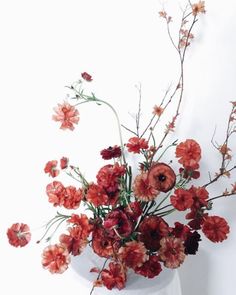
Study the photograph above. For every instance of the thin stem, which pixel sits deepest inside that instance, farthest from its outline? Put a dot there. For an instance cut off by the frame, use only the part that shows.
(104, 264)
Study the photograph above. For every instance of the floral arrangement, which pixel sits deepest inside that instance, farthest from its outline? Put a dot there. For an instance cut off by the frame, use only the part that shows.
(126, 223)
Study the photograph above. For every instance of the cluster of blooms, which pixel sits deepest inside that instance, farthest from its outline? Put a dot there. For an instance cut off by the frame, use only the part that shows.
(128, 225)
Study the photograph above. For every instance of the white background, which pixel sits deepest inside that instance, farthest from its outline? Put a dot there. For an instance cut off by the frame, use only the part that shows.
(45, 45)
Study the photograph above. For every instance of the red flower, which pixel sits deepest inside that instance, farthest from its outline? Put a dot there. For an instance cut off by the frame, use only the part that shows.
(55, 192)
(86, 77)
(64, 162)
(182, 199)
(134, 210)
(189, 153)
(83, 222)
(103, 245)
(67, 115)
(152, 229)
(151, 268)
(115, 276)
(215, 228)
(133, 254)
(157, 110)
(19, 234)
(55, 258)
(137, 144)
(51, 168)
(96, 195)
(142, 189)
(180, 230)
(192, 242)
(188, 172)
(117, 224)
(161, 177)
(111, 152)
(72, 197)
(200, 196)
(109, 175)
(171, 252)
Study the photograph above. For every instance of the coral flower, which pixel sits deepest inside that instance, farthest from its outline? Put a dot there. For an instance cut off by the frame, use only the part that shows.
(111, 152)
(115, 276)
(72, 197)
(198, 8)
(182, 199)
(64, 162)
(83, 222)
(19, 234)
(189, 153)
(96, 195)
(133, 254)
(55, 192)
(67, 115)
(171, 252)
(136, 144)
(157, 110)
(143, 191)
(152, 229)
(55, 258)
(200, 196)
(161, 177)
(151, 268)
(215, 228)
(51, 168)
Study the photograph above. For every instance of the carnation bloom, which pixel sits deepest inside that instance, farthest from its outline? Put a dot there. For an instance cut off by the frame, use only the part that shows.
(51, 168)
(136, 144)
(182, 199)
(143, 191)
(198, 8)
(215, 228)
(55, 258)
(118, 224)
(67, 115)
(133, 210)
(152, 229)
(200, 196)
(171, 252)
(96, 195)
(72, 197)
(111, 152)
(115, 276)
(189, 153)
(192, 242)
(55, 192)
(161, 177)
(19, 234)
(151, 268)
(133, 254)
(86, 77)
(157, 110)
(180, 231)
(64, 162)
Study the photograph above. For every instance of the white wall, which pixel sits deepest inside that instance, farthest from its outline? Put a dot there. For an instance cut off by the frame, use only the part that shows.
(45, 45)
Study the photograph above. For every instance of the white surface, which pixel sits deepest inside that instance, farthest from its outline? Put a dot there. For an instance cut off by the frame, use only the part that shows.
(45, 45)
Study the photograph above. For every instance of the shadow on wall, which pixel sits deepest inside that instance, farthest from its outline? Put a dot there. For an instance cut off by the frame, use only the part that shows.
(194, 274)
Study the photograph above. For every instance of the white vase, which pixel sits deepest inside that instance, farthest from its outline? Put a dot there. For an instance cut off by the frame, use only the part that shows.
(166, 283)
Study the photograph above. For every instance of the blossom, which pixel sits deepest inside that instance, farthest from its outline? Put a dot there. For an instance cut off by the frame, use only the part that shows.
(180, 231)
(157, 110)
(64, 162)
(182, 199)
(55, 258)
(86, 77)
(133, 254)
(96, 195)
(55, 191)
(215, 228)
(161, 177)
(150, 268)
(118, 224)
(82, 221)
(189, 173)
(198, 8)
(72, 197)
(51, 168)
(200, 196)
(136, 144)
(111, 152)
(189, 153)
(133, 210)
(192, 242)
(19, 234)
(115, 276)
(171, 252)
(67, 114)
(143, 191)
(152, 229)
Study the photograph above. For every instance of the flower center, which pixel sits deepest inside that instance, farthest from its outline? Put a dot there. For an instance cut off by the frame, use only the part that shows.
(161, 177)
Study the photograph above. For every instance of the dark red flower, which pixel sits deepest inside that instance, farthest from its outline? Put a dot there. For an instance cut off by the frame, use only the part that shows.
(115, 276)
(180, 231)
(151, 268)
(161, 177)
(189, 173)
(152, 229)
(19, 235)
(192, 242)
(189, 153)
(142, 188)
(111, 152)
(64, 162)
(118, 224)
(215, 228)
(51, 168)
(86, 77)
(182, 199)
(136, 144)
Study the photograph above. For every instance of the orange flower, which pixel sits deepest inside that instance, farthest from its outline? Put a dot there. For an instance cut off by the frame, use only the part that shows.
(67, 115)
(55, 258)
(189, 153)
(142, 189)
(215, 228)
